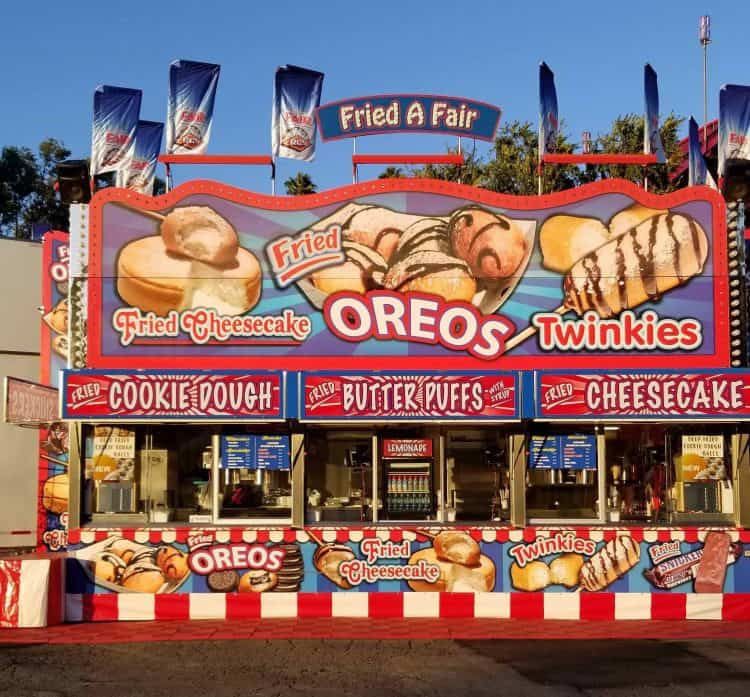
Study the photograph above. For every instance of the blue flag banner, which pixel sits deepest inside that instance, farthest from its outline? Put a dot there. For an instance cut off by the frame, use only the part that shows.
(139, 172)
(190, 109)
(116, 111)
(734, 124)
(651, 137)
(548, 122)
(296, 96)
(698, 174)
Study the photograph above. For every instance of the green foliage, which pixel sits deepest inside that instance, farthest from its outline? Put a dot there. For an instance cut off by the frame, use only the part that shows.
(27, 193)
(626, 136)
(392, 173)
(514, 169)
(470, 172)
(300, 185)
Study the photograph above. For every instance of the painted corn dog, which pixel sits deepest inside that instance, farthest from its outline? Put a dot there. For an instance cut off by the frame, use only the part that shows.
(609, 563)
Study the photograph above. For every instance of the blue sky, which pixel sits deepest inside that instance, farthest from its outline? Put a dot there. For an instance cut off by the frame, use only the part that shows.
(55, 53)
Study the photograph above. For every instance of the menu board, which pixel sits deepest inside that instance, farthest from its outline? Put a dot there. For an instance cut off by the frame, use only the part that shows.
(578, 452)
(253, 451)
(572, 451)
(544, 453)
(237, 452)
(272, 452)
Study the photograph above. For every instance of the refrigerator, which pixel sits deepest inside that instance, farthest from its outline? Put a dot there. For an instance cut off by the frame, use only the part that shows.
(408, 479)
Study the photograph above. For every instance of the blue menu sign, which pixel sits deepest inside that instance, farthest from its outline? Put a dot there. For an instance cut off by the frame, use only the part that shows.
(578, 452)
(272, 452)
(544, 453)
(575, 451)
(253, 451)
(237, 451)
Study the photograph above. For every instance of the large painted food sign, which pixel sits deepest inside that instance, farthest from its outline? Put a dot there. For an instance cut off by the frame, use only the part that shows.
(404, 274)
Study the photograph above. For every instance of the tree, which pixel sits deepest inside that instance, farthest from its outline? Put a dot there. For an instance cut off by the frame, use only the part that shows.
(514, 169)
(471, 171)
(392, 173)
(18, 172)
(626, 136)
(299, 185)
(45, 204)
(27, 193)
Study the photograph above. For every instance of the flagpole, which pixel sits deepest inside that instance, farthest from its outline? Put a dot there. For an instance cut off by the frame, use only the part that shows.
(540, 145)
(705, 39)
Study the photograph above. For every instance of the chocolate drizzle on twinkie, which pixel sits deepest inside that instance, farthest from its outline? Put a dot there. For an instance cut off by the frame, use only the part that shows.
(593, 281)
(644, 254)
(619, 555)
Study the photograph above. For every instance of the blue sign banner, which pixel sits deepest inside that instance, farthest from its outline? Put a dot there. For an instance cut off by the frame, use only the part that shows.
(548, 122)
(116, 111)
(407, 113)
(651, 137)
(139, 173)
(190, 109)
(296, 95)
(698, 174)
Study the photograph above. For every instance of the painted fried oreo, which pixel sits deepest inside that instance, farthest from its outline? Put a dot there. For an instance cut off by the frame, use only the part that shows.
(223, 581)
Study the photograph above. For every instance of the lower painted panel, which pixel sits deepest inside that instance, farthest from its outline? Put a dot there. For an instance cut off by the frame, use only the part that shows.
(551, 573)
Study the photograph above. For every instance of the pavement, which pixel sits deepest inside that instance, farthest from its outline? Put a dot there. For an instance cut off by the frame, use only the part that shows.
(219, 666)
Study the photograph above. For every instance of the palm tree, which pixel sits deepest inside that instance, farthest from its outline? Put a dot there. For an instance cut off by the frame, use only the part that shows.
(299, 185)
(391, 173)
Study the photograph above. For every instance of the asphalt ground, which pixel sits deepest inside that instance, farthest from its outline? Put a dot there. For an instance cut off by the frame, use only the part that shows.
(379, 668)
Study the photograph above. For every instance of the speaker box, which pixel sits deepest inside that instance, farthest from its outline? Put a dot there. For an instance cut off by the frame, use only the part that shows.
(737, 180)
(73, 180)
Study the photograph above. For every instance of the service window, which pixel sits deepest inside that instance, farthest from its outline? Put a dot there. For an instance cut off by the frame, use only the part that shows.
(338, 474)
(477, 474)
(254, 476)
(155, 473)
(562, 478)
(676, 473)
